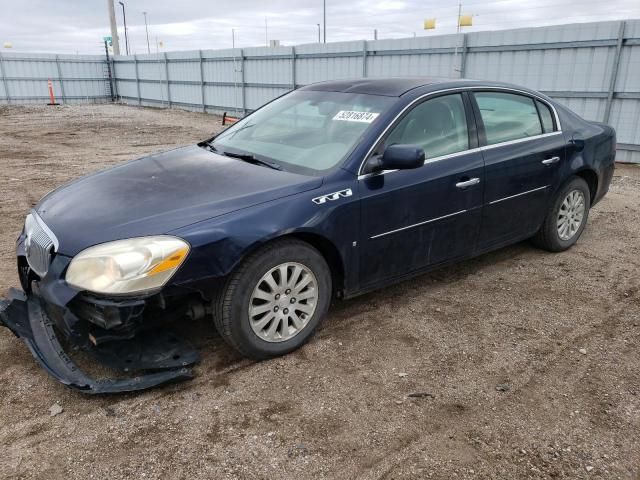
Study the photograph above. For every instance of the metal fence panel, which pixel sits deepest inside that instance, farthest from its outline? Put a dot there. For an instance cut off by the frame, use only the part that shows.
(592, 108)
(127, 89)
(152, 90)
(220, 70)
(268, 71)
(75, 78)
(588, 67)
(328, 61)
(124, 69)
(573, 69)
(258, 96)
(593, 68)
(146, 70)
(626, 115)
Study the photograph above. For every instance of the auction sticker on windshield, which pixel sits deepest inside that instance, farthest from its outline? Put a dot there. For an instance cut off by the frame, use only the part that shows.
(351, 116)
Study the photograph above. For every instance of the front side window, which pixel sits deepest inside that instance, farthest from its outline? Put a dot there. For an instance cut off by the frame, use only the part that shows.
(507, 116)
(306, 131)
(438, 126)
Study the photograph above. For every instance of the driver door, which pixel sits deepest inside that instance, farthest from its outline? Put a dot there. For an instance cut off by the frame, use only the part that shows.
(415, 218)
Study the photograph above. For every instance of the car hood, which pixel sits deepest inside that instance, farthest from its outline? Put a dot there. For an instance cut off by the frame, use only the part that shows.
(160, 193)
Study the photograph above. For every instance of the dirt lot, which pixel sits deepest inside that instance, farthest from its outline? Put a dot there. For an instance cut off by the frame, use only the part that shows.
(498, 341)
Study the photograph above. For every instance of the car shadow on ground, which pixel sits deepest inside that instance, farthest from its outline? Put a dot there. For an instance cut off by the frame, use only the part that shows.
(344, 316)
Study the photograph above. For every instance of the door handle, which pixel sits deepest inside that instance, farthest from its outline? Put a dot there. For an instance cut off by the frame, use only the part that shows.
(468, 183)
(550, 161)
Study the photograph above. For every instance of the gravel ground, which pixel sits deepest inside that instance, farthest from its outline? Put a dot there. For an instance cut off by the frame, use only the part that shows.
(530, 359)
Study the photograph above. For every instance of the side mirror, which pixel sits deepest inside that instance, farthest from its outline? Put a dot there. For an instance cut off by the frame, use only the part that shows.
(398, 157)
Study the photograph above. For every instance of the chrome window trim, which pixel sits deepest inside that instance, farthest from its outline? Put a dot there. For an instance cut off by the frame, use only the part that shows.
(417, 224)
(518, 194)
(430, 160)
(465, 152)
(520, 140)
(460, 89)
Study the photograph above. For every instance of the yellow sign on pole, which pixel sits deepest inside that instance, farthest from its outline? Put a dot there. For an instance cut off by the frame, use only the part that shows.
(465, 21)
(429, 23)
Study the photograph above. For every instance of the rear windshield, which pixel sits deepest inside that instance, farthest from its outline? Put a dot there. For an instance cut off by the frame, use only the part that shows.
(305, 131)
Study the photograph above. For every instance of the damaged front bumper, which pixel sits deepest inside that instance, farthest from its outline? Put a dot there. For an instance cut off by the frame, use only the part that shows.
(162, 355)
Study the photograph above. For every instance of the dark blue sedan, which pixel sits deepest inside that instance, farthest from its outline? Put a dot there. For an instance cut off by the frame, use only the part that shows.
(327, 192)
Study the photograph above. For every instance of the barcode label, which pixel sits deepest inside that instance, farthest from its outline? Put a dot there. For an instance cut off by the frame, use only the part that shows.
(349, 116)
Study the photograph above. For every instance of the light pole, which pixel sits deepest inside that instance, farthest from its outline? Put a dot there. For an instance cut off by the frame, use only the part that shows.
(455, 52)
(124, 18)
(463, 21)
(318, 32)
(114, 28)
(324, 19)
(266, 32)
(146, 28)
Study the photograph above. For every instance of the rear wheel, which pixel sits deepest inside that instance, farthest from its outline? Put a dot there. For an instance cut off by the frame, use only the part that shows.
(566, 218)
(274, 301)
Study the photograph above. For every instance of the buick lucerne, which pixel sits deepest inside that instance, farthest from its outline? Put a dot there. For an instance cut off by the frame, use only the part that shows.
(329, 191)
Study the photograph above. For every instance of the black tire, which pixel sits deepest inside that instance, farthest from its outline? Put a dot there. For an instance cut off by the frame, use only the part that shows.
(231, 306)
(548, 237)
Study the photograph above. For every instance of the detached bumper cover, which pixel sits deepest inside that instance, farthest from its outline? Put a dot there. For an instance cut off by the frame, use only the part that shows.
(26, 318)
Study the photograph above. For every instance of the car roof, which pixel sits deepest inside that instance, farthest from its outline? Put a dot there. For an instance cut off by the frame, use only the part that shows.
(392, 87)
(398, 86)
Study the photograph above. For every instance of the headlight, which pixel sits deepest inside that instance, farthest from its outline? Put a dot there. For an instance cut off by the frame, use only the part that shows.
(127, 266)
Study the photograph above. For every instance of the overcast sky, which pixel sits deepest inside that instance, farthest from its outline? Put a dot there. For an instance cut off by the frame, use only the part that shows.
(70, 26)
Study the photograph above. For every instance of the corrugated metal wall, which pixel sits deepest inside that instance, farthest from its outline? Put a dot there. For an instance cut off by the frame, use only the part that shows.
(75, 78)
(593, 68)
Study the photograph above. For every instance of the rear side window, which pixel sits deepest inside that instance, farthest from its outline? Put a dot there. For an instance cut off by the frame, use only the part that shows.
(545, 117)
(508, 116)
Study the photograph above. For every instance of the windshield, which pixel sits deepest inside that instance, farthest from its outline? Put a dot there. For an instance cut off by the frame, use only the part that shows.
(305, 131)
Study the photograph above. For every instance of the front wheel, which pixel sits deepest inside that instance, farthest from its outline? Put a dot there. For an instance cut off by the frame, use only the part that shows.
(566, 218)
(274, 301)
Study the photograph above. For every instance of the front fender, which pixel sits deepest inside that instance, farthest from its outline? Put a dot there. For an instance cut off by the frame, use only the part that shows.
(220, 244)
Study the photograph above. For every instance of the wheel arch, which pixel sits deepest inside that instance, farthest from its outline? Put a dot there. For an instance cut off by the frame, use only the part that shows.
(326, 247)
(591, 177)
(330, 253)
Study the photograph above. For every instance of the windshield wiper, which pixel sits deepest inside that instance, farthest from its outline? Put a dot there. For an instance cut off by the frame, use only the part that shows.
(209, 145)
(247, 157)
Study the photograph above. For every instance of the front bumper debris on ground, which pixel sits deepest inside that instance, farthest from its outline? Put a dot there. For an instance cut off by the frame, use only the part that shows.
(163, 357)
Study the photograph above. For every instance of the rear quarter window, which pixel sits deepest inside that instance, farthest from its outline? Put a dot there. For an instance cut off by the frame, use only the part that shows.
(545, 116)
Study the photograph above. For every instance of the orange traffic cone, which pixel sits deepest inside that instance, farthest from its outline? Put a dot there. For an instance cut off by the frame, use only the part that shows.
(51, 95)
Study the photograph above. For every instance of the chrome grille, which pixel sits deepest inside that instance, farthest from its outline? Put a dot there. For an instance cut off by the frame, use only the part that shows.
(38, 246)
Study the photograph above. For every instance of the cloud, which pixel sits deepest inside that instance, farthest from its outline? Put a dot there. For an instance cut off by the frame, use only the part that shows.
(70, 26)
(390, 5)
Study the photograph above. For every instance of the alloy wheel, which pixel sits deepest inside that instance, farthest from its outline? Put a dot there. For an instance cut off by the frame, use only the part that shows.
(283, 302)
(571, 215)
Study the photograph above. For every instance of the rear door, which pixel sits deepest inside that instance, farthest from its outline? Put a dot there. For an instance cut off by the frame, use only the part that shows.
(414, 218)
(523, 150)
